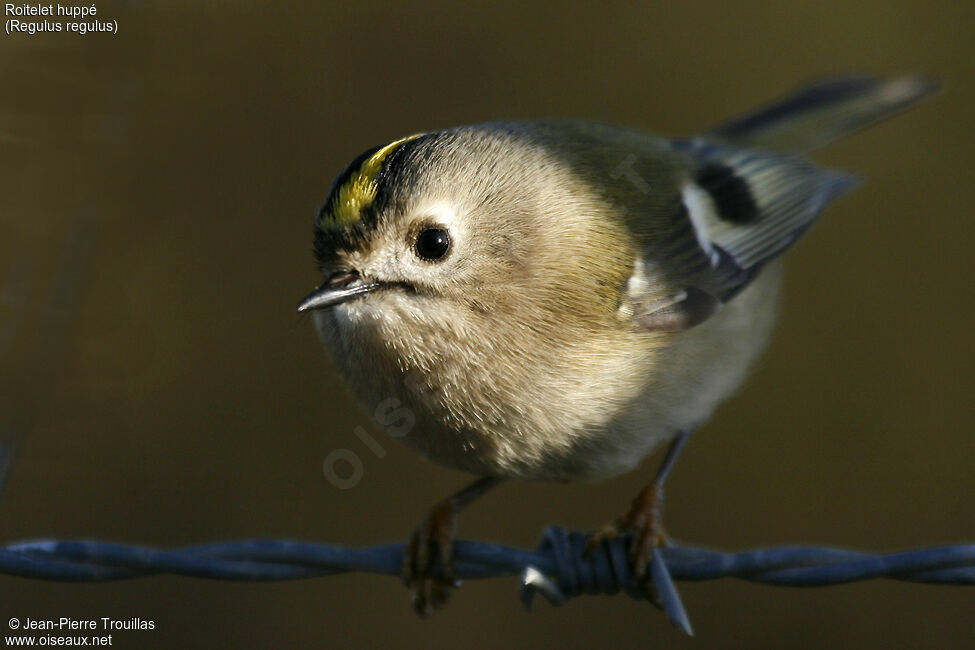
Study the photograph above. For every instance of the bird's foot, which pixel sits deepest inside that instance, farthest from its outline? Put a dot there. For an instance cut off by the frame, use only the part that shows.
(643, 524)
(433, 538)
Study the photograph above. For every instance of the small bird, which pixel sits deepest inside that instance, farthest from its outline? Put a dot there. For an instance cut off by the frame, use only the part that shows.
(554, 299)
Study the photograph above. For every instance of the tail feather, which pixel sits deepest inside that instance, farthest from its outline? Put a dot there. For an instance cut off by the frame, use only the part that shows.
(818, 114)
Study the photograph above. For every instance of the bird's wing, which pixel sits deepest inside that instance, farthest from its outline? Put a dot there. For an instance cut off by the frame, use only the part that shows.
(737, 209)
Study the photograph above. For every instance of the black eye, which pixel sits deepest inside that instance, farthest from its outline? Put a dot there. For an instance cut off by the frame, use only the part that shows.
(432, 244)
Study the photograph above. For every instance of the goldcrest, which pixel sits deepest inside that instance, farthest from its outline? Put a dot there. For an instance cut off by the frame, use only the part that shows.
(554, 299)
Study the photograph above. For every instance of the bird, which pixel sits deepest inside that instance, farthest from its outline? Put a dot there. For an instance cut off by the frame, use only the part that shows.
(554, 299)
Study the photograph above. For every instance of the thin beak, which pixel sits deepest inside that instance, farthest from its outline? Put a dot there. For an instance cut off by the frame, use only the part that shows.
(338, 288)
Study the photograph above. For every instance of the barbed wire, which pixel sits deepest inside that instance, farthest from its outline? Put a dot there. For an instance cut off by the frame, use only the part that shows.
(558, 569)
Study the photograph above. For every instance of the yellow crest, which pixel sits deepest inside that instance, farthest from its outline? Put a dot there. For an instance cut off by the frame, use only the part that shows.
(359, 191)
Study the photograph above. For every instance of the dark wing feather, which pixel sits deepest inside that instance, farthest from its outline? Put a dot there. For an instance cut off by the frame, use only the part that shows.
(739, 209)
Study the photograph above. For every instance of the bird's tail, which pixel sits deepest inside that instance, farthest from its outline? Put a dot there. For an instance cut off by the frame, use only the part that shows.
(815, 115)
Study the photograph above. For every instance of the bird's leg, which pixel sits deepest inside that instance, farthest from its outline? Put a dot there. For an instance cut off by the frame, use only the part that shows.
(643, 522)
(435, 534)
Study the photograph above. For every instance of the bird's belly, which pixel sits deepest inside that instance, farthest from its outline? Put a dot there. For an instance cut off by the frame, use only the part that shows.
(688, 380)
(578, 427)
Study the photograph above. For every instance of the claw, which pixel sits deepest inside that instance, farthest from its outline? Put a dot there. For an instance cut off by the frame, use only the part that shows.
(643, 524)
(433, 538)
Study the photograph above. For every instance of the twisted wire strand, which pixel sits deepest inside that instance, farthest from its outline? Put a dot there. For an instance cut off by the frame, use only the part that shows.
(558, 569)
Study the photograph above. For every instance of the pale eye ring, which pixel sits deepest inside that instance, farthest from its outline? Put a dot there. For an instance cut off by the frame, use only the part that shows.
(432, 244)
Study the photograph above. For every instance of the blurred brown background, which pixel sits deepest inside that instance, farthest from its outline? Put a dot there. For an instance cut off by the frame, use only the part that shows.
(156, 192)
